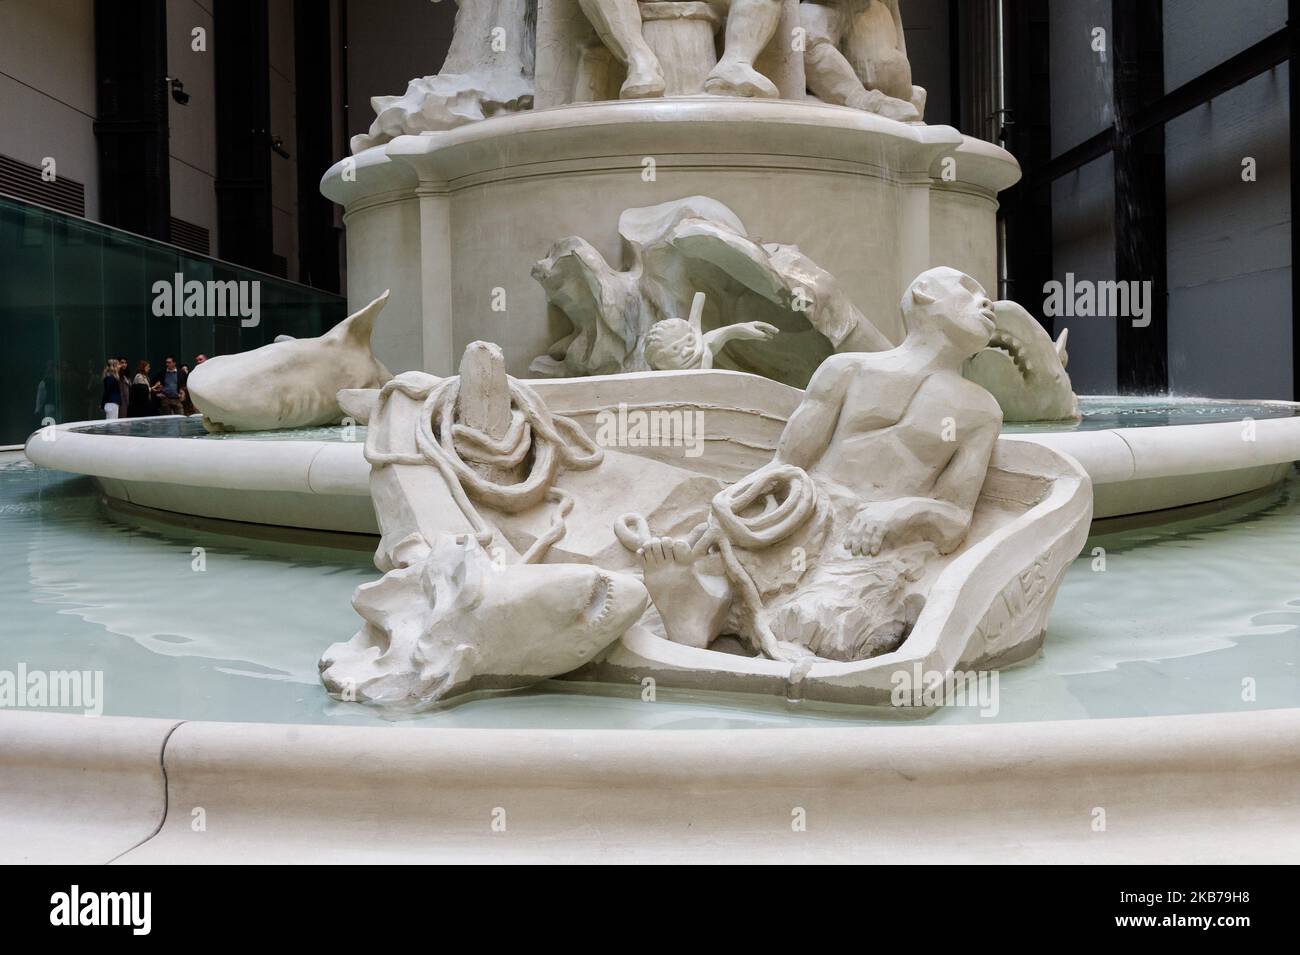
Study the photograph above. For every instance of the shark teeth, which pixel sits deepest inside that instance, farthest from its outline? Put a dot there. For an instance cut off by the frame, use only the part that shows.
(1006, 342)
(599, 603)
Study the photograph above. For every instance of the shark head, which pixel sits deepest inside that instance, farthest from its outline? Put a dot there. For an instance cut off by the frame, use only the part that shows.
(292, 382)
(447, 620)
(1024, 369)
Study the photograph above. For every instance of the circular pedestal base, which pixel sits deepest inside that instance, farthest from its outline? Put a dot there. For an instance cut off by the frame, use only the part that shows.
(453, 222)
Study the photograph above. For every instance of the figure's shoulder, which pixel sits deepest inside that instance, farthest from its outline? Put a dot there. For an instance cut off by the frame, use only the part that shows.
(978, 400)
(834, 370)
(954, 390)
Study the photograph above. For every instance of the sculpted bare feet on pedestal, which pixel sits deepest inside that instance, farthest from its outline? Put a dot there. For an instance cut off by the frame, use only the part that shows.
(750, 26)
(874, 101)
(856, 56)
(692, 604)
(734, 77)
(645, 79)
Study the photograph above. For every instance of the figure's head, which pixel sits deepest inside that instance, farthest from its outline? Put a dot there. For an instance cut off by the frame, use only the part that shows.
(949, 304)
(672, 344)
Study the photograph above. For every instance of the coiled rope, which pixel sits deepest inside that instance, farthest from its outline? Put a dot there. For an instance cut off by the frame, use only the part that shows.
(553, 441)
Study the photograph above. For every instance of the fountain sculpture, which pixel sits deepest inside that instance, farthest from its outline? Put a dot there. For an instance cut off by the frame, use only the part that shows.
(526, 532)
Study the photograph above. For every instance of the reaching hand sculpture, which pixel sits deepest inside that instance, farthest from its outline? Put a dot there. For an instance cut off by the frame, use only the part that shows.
(627, 320)
(856, 56)
(750, 26)
(877, 471)
(676, 344)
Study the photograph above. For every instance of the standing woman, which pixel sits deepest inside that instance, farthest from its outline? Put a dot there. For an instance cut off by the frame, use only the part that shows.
(140, 391)
(124, 385)
(112, 396)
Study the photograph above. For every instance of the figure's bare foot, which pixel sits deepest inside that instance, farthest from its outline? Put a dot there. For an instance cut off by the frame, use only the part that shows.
(692, 605)
(737, 78)
(644, 81)
(874, 101)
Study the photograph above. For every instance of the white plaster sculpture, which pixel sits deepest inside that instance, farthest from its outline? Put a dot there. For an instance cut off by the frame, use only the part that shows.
(676, 344)
(290, 383)
(476, 486)
(1024, 369)
(686, 49)
(856, 55)
(697, 244)
(447, 620)
(512, 541)
(876, 475)
(488, 70)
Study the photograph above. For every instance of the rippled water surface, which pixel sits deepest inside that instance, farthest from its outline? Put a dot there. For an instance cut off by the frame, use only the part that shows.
(1181, 615)
(1102, 412)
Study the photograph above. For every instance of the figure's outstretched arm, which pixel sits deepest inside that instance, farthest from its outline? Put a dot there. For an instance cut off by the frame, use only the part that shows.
(717, 339)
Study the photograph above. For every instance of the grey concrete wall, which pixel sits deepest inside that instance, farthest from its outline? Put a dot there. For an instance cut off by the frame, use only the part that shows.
(1083, 207)
(1229, 239)
(284, 172)
(47, 87)
(1082, 91)
(1083, 242)
(925, 26)
(193, 142)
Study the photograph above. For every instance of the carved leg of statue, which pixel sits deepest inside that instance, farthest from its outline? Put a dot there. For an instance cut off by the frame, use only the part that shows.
(873, 45)
(750, 27)
(693, 605)
(832, 78)
(618, 23)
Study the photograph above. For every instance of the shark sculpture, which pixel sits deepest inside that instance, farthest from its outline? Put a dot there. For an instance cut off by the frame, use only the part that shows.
(447, 621)
(292, 382)
(1024, 369)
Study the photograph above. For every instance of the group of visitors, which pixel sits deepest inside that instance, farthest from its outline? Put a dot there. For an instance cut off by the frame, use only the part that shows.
(146, 393)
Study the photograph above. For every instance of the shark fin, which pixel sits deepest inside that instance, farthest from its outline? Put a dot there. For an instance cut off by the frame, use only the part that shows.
(357, 327)
(1061, 353)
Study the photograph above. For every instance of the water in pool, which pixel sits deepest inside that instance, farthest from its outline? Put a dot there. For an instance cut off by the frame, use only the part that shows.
(1182, 616)
(1098, 413)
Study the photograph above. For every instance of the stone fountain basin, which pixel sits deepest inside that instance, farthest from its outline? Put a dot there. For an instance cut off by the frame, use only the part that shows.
(1196, 789)
(273, 481)
(1222, 787)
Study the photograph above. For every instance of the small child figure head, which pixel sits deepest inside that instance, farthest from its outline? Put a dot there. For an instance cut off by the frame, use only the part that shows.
(672, 344)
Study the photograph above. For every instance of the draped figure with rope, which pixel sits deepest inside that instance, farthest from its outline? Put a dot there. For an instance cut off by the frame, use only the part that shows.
(879, 468)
